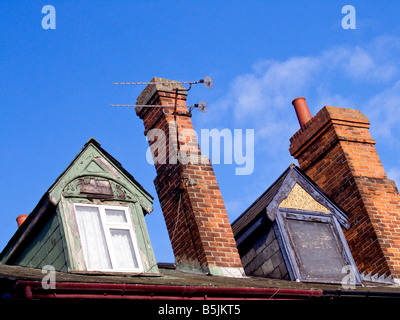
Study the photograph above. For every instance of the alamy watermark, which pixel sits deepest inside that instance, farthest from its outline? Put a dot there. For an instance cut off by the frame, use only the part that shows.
(49, 280)
(49, 20)
(349, 280)
(237, 147)
(349, 20)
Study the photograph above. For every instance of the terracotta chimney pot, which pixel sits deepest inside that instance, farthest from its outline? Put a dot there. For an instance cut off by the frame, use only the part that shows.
(302, 111)
(21, 218)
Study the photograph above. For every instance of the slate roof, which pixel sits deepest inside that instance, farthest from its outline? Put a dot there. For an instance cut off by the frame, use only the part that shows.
(256, 208)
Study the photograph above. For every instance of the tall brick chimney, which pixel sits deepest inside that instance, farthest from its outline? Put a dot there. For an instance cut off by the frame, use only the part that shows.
(194, 212)
(336, 150)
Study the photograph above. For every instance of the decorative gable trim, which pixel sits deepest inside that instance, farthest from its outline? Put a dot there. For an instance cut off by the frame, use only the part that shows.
(300, 199)
(314, 197)
(94, 167)
(98, 187)
(93, 164)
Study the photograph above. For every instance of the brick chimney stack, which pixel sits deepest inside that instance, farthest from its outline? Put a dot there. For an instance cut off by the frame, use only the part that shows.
(336, 150)
(194, 212)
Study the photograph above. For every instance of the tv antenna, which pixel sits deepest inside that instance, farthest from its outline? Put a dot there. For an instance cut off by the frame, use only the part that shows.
(201, 105)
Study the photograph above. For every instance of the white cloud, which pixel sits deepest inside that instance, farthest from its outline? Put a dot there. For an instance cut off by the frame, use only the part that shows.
(366, 64)
(359, 77)
(362, 66)
(271, 85)
(359, 64)
(394, 174)
(264, 95)
(383, 111)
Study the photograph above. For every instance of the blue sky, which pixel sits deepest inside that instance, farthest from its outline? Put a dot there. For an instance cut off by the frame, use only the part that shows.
(56, 85)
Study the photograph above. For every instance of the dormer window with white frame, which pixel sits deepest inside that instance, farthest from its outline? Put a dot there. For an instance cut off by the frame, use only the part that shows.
(108, 239)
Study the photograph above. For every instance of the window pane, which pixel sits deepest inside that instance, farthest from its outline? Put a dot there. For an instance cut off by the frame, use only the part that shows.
(317, 250)
(92, 238)
(115, 216)
(123, 247)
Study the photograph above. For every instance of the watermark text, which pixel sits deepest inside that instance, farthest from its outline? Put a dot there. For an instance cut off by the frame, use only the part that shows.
(235, 147)
(349, 20)
(49, 20)
(49, 280)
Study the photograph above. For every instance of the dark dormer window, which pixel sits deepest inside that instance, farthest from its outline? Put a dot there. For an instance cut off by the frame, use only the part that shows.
(294, 231)
(107, 237)
(314, 245)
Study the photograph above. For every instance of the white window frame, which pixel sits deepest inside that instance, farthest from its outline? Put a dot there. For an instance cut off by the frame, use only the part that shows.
(128, 225)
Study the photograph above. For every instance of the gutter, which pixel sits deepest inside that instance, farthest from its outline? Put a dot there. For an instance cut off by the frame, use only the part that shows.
(344, 294)
(70, 290)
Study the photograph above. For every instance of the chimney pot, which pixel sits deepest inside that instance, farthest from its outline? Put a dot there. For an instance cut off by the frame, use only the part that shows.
(302, 111)
(21, 218)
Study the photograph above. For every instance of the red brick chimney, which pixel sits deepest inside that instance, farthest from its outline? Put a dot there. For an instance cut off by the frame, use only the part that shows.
(336, 150)
(194, 212)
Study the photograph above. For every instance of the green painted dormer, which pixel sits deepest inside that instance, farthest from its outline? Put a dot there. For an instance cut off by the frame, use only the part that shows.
(90, 220)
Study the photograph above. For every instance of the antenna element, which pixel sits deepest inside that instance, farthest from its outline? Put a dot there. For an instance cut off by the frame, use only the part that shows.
(201, 106)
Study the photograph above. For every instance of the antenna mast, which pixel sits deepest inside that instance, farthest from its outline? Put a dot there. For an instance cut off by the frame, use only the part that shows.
(201, 105)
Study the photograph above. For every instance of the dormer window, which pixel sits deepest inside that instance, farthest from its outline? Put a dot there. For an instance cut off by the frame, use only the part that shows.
(315, 246)
(294, 231)
(91, 219)
(108, 240)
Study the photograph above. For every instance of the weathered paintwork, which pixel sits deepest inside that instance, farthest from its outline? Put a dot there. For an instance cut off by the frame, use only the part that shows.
(47, 248)
(93, 177)
(294, 231)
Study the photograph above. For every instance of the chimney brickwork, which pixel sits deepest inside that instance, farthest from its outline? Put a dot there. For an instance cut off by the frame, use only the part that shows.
(194, 211)
(336, 150)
